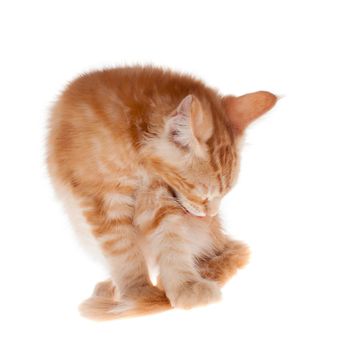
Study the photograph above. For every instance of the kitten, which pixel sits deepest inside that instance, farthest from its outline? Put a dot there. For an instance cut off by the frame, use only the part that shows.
(142, 157)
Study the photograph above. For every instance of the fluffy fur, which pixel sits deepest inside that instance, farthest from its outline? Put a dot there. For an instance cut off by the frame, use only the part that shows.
(142, 157)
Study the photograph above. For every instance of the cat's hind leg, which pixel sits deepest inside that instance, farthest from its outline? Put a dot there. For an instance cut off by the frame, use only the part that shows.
(130, 291)
(111, 218)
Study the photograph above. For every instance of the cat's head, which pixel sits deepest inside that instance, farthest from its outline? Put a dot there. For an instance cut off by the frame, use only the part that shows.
(198, 150)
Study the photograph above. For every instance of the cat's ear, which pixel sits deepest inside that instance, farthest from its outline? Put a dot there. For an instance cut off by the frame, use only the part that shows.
(188, 123)
(245, 109)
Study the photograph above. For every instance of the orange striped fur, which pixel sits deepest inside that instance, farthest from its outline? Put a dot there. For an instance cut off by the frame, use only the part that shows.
(141, 157)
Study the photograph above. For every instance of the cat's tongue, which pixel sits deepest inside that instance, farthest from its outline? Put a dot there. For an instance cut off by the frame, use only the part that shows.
(189, 213)
(188, 209)
(198, 215)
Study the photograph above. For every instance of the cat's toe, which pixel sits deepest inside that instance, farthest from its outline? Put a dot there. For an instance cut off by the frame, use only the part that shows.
(239, 252)
(196, 293)
(105, 289)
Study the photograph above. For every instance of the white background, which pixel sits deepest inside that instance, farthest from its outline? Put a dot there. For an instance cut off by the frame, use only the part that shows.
(291, 203)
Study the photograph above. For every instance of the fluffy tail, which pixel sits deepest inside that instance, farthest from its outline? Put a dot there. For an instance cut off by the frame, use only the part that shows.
(102, 306)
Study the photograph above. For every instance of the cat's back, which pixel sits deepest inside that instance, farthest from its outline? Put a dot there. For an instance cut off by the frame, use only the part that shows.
(103, 115)
(93, 129)
(137, 90)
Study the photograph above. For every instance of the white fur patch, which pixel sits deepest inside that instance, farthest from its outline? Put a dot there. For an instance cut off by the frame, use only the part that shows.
(79, 223)
(118, 198)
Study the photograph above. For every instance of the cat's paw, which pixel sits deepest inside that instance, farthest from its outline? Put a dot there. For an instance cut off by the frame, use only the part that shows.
(105, 289)
(195, 293)
(224, 265)
(239, 252)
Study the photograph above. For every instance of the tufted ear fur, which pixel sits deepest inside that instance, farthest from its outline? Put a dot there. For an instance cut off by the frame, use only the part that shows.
(189, 123)
(245, 109)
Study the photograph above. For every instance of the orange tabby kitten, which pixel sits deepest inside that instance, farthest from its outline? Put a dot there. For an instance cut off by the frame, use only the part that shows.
(142, 157)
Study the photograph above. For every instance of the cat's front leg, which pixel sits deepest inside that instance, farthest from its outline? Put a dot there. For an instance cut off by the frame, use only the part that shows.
(166, 228)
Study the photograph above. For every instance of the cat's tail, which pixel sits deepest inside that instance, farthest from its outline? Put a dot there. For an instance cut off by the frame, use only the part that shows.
(102, 306)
